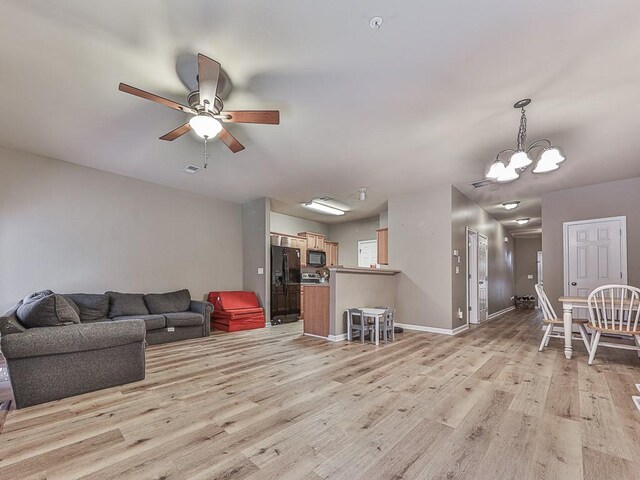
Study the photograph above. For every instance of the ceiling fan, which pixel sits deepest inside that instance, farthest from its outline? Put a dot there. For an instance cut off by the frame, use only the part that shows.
(207, 108)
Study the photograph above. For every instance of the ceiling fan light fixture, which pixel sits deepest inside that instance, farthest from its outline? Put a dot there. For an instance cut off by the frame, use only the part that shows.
(497, 169)
(522, 221)
(511, 205)
(323, 208)
(205, 125)
(508, 175)
(519, 159)
(545, 165)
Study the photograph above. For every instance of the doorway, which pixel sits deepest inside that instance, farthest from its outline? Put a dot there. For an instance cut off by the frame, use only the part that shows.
(477, 277)
(367, 253)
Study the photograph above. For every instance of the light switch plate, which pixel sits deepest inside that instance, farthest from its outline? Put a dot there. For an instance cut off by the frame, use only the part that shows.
(260, 271)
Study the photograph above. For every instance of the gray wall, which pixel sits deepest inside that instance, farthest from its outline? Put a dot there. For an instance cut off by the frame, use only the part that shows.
(384, 219)
(75, 229)
(420, 246)
(527, 264)
(282, 223)
(609, 199)
(256, 249)
(349, 234)
(465, 213)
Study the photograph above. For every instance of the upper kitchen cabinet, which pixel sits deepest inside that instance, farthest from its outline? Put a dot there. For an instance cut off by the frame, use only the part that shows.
(332, 253)
(382, 235)
(315, 241)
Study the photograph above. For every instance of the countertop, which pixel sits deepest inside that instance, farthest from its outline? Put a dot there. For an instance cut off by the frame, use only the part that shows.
(364, 270)
(326, 284)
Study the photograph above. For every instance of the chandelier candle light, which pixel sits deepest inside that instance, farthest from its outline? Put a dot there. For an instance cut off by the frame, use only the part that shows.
(520, 159)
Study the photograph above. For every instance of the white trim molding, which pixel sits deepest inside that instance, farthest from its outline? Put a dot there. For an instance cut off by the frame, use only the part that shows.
(440, 331)
(337, 338)
(501, 312)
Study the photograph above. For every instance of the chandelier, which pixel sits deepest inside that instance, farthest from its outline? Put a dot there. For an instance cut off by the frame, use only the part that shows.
(520, 159)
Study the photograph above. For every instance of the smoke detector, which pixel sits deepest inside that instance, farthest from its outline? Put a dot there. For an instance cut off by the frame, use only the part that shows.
(375, 23)
(362, 194)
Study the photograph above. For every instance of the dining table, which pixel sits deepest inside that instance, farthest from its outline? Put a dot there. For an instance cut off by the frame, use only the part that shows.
(568, 304)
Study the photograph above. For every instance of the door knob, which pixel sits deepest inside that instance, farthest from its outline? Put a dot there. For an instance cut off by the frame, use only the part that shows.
(573, 284)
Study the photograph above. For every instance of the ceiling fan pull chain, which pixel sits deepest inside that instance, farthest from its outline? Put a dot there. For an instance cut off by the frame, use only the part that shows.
(205, 153)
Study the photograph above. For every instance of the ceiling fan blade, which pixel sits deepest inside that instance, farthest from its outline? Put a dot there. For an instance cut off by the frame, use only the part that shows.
(155, 98)
(230, 141)
(268, 117)
(208, 73)
(178, 132)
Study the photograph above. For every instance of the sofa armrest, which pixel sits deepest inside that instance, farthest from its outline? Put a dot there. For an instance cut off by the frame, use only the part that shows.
(205, 309)
(35, 342)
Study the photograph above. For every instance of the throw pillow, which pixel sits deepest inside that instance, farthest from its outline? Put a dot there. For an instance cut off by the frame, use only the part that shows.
(171, 302)
(47, 311)
(126, 304)
(93, 307)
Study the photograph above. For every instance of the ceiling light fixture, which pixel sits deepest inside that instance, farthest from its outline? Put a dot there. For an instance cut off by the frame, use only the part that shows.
(520, 159)
(522, 221)
(321, 207)
(511, 205)
(205, 125)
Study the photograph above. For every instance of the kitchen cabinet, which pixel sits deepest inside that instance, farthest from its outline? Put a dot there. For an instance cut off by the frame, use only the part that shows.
(382, 235)
(293, 242)
(315, 241)
(332, 253)
(316, 310)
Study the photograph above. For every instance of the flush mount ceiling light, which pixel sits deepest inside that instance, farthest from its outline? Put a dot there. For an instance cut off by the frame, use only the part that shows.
(321, 207)
(522, 221)
(520, 159)
(511, 205)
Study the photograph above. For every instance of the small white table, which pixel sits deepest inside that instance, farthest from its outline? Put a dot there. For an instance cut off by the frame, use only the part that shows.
(377, 314)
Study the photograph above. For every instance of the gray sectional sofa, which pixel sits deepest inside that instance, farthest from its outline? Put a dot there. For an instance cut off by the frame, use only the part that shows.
(58, 346)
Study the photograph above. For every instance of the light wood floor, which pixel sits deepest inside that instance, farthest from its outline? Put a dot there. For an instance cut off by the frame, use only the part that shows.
(271, 404)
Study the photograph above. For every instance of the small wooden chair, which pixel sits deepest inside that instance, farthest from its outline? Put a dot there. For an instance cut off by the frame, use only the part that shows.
(614, 310)
(552, 321)
(388, 325)
(356, 320)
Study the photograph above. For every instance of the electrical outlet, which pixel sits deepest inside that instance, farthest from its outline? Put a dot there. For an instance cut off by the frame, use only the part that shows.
(529, 277)
(457, 270)
(171, 329)
(260, 271)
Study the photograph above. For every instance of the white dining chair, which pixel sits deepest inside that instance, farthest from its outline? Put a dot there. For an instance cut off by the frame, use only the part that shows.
(552, 321)
(614, 310)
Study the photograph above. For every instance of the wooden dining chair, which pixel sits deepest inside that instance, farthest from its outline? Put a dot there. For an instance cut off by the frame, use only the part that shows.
(552, 321)
(356, 320)
(614, 310)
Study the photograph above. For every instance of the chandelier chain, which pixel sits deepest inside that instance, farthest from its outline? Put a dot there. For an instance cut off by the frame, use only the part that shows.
(522, 131)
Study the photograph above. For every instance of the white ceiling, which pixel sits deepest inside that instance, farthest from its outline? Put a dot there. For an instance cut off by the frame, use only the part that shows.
(423, 101)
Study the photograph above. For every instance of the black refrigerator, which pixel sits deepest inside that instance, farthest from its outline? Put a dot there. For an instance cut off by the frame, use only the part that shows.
(285, 285)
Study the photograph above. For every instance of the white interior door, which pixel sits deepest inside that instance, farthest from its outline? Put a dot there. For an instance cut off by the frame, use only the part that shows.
(594, 253)
(483, 278)
(472, 270)
(367, 253)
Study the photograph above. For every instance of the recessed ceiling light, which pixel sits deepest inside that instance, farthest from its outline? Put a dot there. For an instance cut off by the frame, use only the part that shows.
(321, 207)
(522, 221)
(511, 205)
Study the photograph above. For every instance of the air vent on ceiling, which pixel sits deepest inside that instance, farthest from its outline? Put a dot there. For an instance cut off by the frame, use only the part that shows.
(481, 183)
(191, 169)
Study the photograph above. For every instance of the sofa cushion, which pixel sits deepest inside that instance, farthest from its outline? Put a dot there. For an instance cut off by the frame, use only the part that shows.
(151, 322)
(93, 307)
(160, 303)
(184, 319)
(49, 310)
(121, 304)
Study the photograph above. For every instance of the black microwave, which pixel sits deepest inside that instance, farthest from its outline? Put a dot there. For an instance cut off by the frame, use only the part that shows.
(316, 258)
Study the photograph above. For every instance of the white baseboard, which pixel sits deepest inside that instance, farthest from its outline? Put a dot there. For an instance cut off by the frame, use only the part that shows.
(441, 331)
(331, 338)
(337, 338)
(501, 312)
